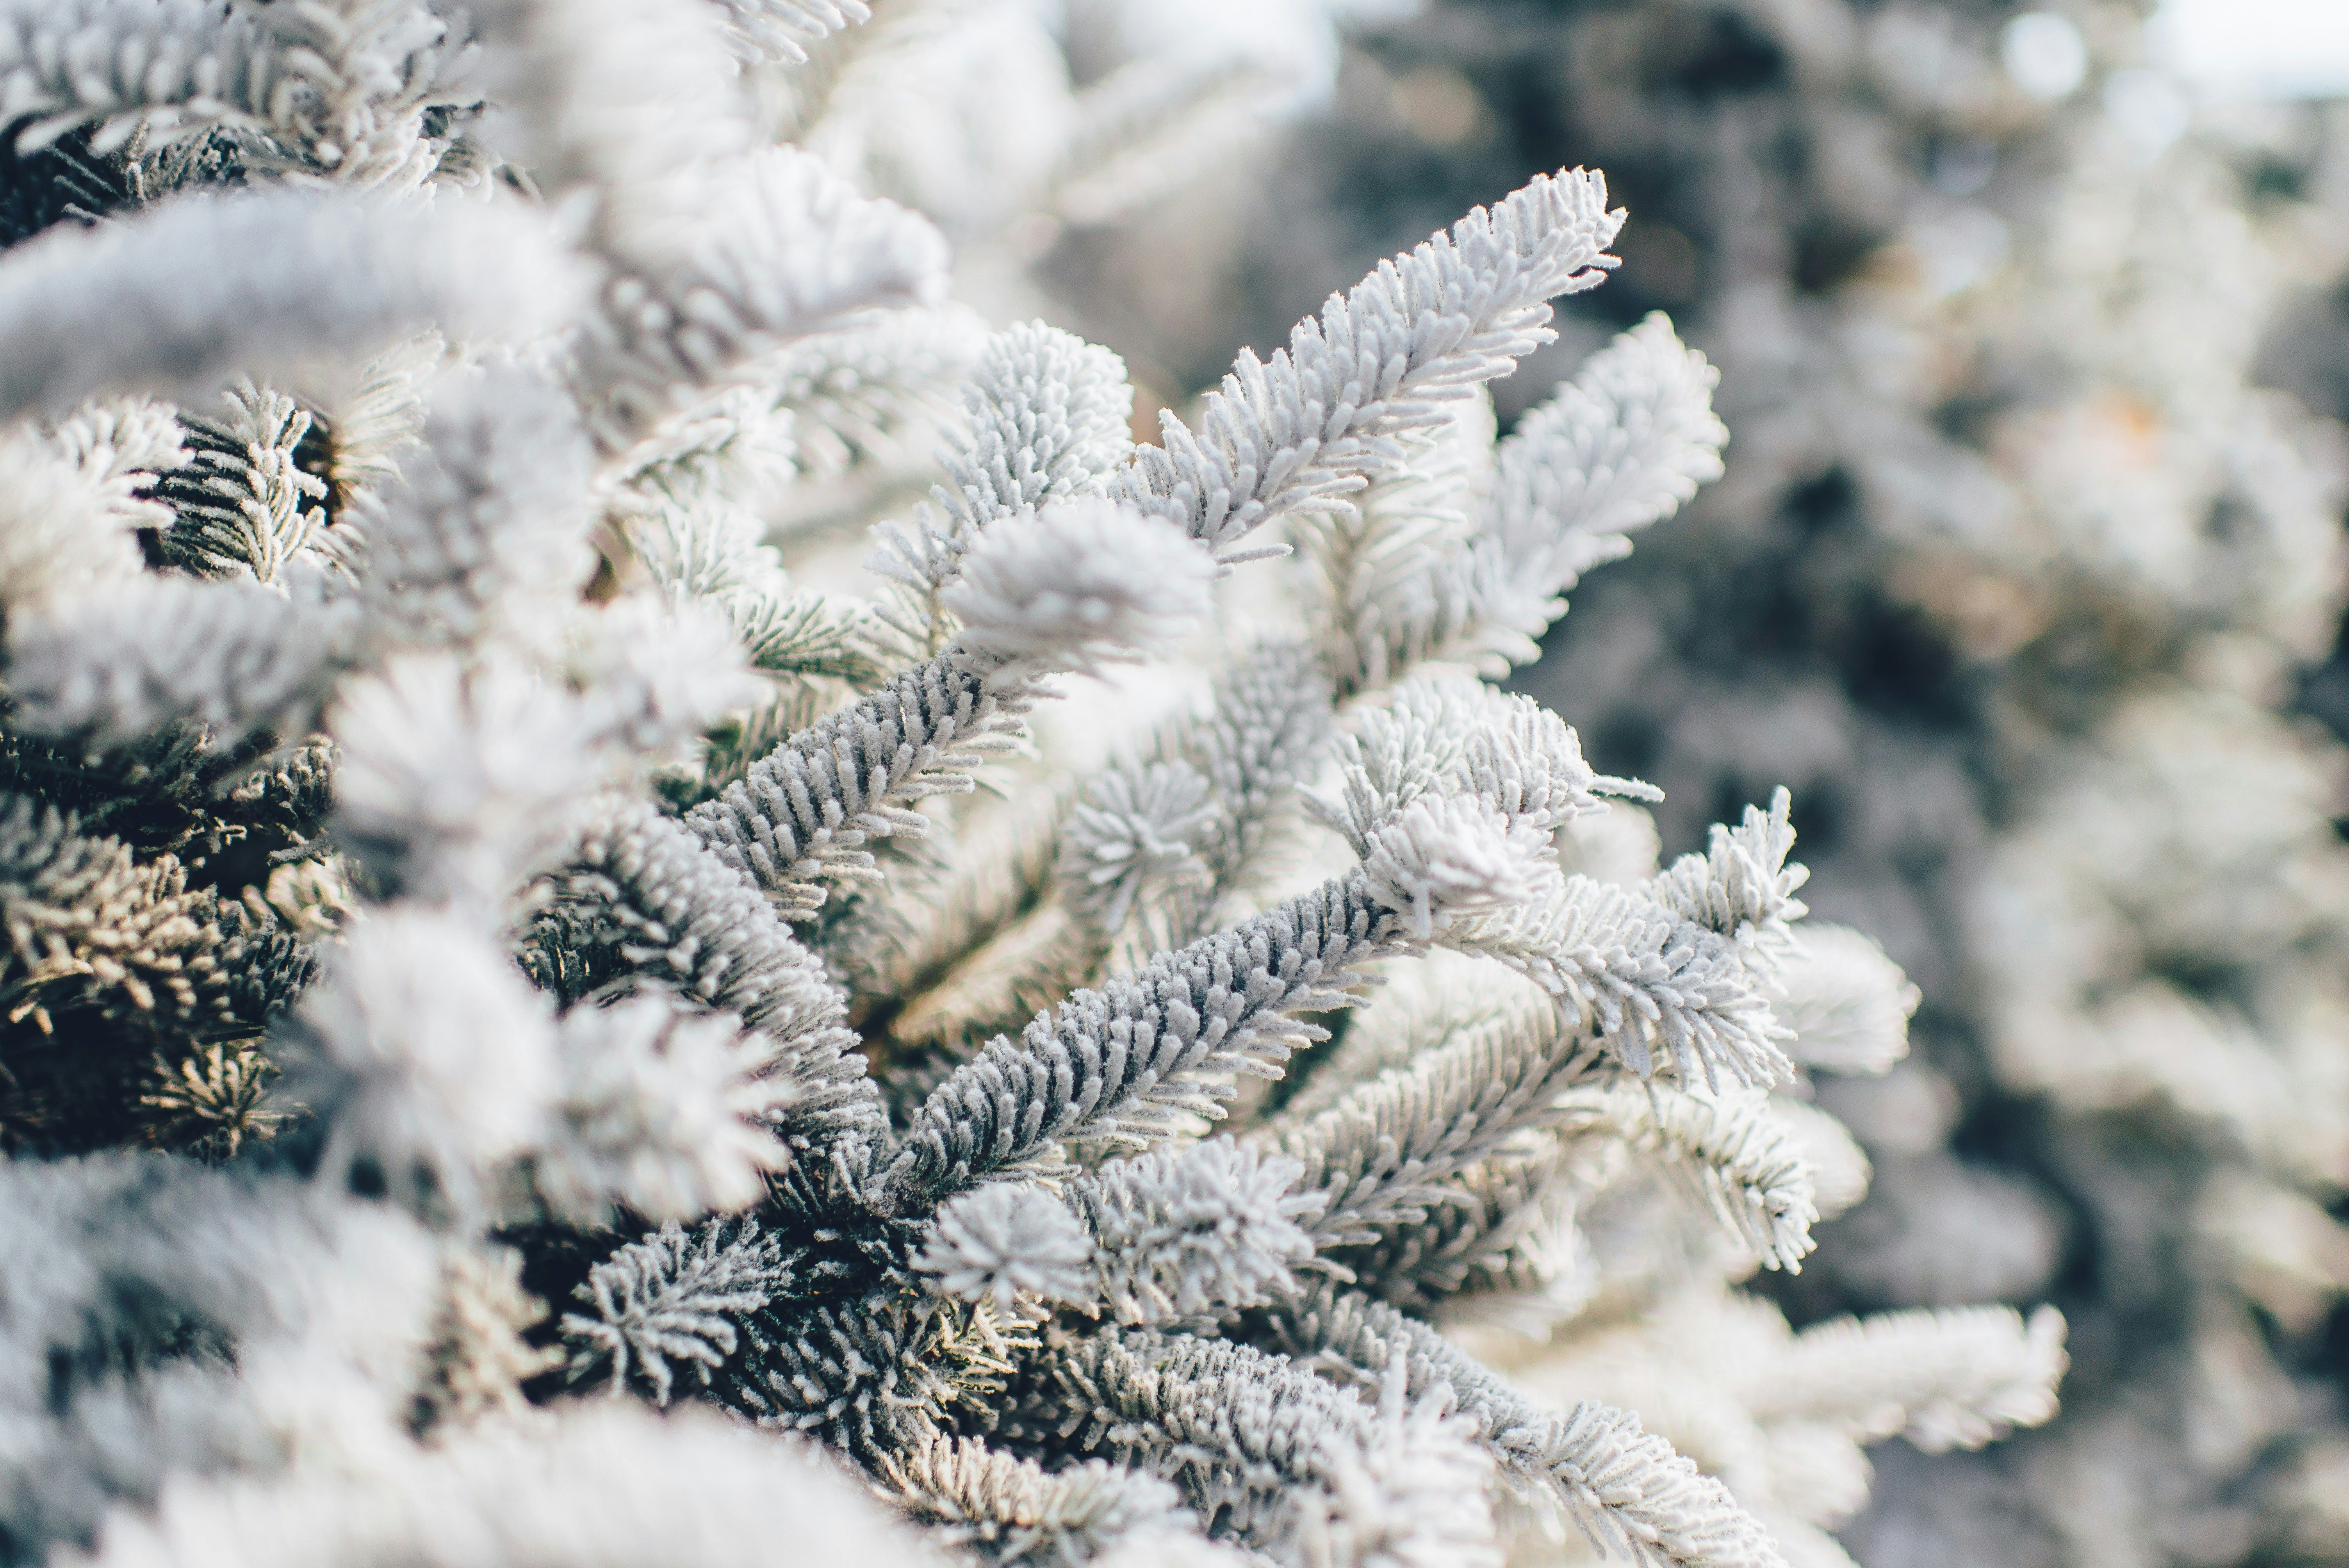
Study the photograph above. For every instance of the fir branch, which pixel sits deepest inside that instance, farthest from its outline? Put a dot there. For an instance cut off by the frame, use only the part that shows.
(235, 657)
(1957, 1377)
(674, 1297)
(1620, 447)
(872, 1374)
(1626, 1489)
(1016, 1511)
(1148, 126)
(1848, 1003)
(782, 31)
(1503, 1227)
(71, 500)
(1046, 415)
(336, 89)
(493, 512)
(638, 887)
(1001, 1241)
(807, 809)
(1177, 826)
(284, 275)
(874, 395)
(1077, 586)
(1742, 886)
(1382, 1152)
(1379, 363)
(386, 1048)
(1181, 1233)
(668, 1114)
(89, 925)
(248, 508)
(1646, 982)
(1280, 1454)
(794, 251)
(1733, 1149)
(1118, 1063)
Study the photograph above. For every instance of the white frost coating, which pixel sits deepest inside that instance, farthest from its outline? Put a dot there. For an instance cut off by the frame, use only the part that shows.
(666, 1113)
(1133, 829)
(499, 936)
(1620, 447)
(764, 249)
(67, 513)
(176, 299)
(1444, 857)
(1379, 363)
(452, 776)
(780, 30)
(438, 1056)
(1958, 1377)
(597, 1488)
(674, 1297)
(1047, 415)
(235, 657)
(1212, 1227)
(1752, 1171)
(1848, 1003)
(1076, 586)
(1002, 1242)
(334, 90)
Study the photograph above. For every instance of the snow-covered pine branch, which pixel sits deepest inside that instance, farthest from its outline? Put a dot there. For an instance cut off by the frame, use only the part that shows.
(1377, 364)
(1405, 582)
(204, 287)
(1284, 1455)
(673, 1297)
(427, 778)
(1627, 1490)
(701, 297)
(336, 90)
(1047, 415)
(1070, 587)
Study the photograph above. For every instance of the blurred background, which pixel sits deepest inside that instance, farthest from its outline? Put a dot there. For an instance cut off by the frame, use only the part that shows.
(2027, 577)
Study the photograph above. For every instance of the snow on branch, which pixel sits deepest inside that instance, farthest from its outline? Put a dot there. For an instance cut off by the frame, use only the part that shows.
(1379, 363)
(1281, 1454)
(1117, 1064)
(1654, 988)
(1620, 447)
(1848, 1003)
(1460, 557)
(1047, 415)
(1211, 1228)
(770, 31)
(1076, 586)
(1953, 1377)
(234, 656)
(1001, 1241)
(1749, 1170)
(1628, 1491)
(201, 287)
(639, 896)
(670, 1114)
(333, 88)
(1383, 1151)
(1015, 1509)
(1741, 885)
(674, 1297)
(771, 246)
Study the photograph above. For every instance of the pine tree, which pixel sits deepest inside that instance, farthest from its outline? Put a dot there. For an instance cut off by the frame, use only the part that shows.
(2013, 577)
(510, 962)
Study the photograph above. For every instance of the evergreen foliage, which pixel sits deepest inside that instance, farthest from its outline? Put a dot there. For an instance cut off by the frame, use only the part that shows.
(497, 928)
